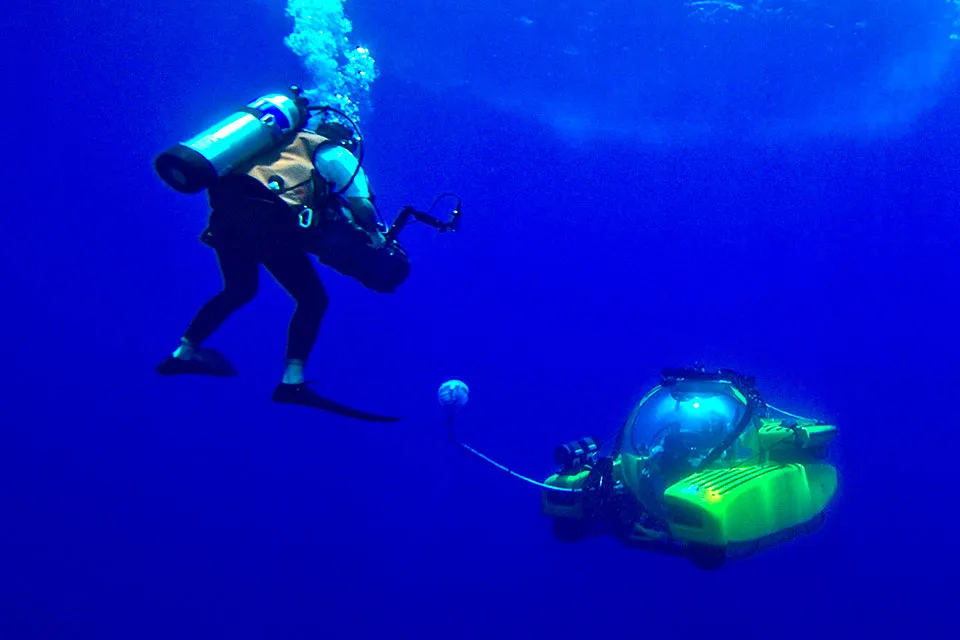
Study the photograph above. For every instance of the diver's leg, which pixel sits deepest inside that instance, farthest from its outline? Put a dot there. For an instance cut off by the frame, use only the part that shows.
(295, 272)
(239, 267)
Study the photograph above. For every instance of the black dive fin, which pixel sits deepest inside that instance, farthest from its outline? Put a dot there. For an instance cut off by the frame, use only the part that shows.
(304, 396)
(349, 412)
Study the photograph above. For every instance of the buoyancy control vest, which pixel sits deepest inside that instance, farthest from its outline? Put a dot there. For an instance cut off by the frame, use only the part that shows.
(287, 180)
(283, 175)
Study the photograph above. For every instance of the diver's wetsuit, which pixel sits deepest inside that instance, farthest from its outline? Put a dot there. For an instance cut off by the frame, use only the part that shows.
(245, 233)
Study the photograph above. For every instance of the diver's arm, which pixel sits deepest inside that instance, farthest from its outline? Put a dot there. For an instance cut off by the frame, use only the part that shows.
(338, 166)
(365, 217)
(364, 213)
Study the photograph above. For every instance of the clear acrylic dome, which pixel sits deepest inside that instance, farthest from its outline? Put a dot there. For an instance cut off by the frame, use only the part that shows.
(686, 421)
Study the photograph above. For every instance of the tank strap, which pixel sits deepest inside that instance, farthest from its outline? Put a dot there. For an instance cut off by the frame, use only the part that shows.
(236, 189)
(296, 186)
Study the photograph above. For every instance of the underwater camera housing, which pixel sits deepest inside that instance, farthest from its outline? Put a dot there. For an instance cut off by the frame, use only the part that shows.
(382, 269)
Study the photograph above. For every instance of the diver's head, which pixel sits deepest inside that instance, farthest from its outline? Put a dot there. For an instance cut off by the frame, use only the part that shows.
(340, 134)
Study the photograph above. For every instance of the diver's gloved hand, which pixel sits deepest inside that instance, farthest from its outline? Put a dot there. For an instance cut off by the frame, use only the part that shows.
(374, 238)
(377, 239)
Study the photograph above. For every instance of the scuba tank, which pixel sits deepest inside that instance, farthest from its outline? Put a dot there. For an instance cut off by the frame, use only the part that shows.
(193, 165)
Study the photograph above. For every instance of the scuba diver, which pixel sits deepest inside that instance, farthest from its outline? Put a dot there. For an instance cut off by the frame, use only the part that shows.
(279, 192)
(700, 468)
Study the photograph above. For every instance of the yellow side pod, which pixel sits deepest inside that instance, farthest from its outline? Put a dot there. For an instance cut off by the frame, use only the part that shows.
(564, 505)
(773, 436)
(746, 503)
